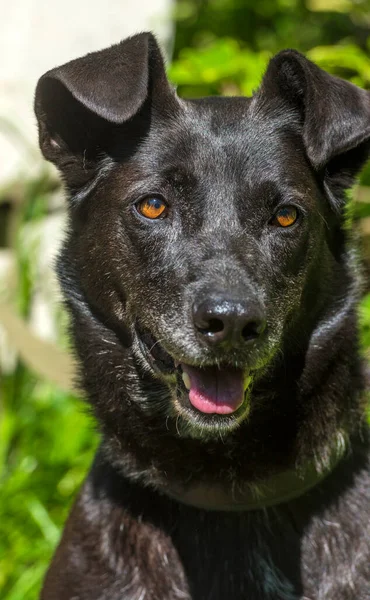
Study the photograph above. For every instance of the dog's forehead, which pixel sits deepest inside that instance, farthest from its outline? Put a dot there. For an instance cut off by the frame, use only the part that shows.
(229, 137)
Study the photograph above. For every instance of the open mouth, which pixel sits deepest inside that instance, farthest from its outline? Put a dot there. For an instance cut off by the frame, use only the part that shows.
(215, 390)
(218, 389)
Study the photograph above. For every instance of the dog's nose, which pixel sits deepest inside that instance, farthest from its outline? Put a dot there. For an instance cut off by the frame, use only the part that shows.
(228, 322)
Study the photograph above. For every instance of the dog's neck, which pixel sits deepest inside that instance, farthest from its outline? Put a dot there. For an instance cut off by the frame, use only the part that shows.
(275, 489)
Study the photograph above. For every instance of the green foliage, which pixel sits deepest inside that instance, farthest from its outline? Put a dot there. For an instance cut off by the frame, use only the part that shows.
(46, 443)
(46, 440)
(223, 45)
(365, 324)
(345, 60)
(222, 67)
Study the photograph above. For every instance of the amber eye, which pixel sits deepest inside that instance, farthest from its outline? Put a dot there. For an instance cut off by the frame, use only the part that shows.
(285, 217)
(152, 208)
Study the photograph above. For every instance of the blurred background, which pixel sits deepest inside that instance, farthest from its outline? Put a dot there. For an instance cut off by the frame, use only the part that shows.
(213, 47)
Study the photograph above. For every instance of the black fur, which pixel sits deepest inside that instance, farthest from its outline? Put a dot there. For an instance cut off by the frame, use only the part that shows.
(118, 133)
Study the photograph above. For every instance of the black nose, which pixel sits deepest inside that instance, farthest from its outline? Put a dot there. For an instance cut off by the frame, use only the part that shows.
(229, 322)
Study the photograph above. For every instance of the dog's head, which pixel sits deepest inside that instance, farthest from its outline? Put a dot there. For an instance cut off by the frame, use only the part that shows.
(206, 234)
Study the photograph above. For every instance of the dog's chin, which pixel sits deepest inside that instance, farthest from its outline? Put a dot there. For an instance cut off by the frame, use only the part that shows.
(208, 400)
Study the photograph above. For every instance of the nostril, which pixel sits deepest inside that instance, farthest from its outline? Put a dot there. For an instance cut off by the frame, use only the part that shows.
(211, 326)
(215, 326)
(252, 330)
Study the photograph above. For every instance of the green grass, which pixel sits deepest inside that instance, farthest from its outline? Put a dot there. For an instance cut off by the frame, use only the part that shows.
(46, 446)
(46, 443)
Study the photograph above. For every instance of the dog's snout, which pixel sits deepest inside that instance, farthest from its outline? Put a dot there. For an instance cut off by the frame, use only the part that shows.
(227, 321)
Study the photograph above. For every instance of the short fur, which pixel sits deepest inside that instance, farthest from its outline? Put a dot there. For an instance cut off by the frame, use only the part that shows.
(118, 132)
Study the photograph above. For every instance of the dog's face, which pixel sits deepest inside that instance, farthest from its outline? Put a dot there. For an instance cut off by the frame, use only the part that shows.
(210, 235)
(204, 233)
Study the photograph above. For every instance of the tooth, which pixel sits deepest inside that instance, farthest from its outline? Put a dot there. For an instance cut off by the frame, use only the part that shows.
(186, 380)
(247, 382)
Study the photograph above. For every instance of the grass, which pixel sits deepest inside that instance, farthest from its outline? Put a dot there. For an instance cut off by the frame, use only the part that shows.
(46, 443)
(46, 446)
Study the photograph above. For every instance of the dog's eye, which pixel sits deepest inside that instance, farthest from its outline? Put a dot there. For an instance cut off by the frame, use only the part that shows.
(285, 217)
(152, 208)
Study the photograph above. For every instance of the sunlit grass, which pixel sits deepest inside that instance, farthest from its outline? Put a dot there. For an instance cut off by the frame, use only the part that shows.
(46, 445)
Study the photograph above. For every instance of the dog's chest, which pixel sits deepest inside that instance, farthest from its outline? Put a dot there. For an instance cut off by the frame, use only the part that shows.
(239, 557)
(257, 579)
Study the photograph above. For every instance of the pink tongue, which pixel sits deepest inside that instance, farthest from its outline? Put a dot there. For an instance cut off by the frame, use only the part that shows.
(214, 390)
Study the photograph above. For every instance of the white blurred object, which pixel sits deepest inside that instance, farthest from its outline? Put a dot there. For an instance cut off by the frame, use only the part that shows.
(36, 35)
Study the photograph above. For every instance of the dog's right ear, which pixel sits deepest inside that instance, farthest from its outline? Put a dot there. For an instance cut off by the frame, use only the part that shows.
(86, 108)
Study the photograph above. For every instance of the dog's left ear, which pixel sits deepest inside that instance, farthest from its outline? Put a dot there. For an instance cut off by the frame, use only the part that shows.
(334, 114)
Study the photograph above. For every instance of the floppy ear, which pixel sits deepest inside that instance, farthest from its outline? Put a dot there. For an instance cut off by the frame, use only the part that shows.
(334, 114)
(86, 108)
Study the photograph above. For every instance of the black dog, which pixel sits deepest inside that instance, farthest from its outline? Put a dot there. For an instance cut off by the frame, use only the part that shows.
(212, 284)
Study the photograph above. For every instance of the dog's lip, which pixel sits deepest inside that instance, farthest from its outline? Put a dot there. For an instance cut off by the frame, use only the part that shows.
(155, 355)
(154, 352)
